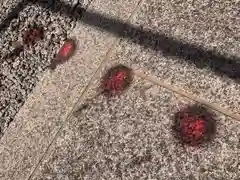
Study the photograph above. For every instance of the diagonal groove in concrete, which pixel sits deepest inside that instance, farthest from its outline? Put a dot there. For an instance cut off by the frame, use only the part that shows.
(81, 96)
(118, 28)
(188, 95)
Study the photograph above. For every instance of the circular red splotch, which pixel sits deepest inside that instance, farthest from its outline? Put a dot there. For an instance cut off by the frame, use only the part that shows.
(32, 35)
(116, 80)
(194, 125)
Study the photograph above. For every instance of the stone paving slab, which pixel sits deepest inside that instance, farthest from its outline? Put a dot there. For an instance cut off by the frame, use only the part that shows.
(210, 26)
(22, 67)
(41, 117)
(78, 150)
(130, 137)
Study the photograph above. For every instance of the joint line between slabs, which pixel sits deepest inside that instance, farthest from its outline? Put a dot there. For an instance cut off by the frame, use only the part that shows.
(69, 116)
(43, 78)
(186, 94)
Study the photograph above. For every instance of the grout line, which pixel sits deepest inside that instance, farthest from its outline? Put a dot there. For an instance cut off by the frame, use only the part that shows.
(188, 95)
(45, 75)
(69, 116)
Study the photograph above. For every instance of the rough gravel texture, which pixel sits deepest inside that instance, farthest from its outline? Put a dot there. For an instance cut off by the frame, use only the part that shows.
(19, 73)
(210, 28)
(130, 137)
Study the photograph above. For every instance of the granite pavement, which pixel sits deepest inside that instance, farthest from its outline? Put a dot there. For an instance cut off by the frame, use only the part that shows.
(130, 136)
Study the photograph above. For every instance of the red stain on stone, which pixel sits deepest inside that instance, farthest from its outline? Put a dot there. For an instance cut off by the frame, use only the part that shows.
(193, 128)
(116, 80)
(32, 35)
(67, 49)
(65, 52)
(194, 125)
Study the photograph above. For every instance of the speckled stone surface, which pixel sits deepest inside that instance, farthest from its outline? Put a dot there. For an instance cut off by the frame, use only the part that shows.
(42, 115)
(214, 26)
(119, 9)
(129, 137)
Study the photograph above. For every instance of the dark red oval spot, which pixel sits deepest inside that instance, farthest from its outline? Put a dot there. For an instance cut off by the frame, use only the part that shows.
(194, 125)
(32, 35)
(116, 80)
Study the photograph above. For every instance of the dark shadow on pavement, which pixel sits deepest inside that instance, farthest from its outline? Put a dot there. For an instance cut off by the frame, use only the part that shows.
(14, 13)
(169, 46)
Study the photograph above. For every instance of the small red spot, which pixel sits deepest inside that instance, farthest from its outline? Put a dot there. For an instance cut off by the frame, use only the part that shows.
(116, 80)
(193, 128)
(32, 35)
(66, 50)
(194, 125)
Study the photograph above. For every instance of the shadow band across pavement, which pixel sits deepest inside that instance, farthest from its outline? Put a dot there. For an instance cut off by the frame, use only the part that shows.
(222, 65)
(169, 46)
